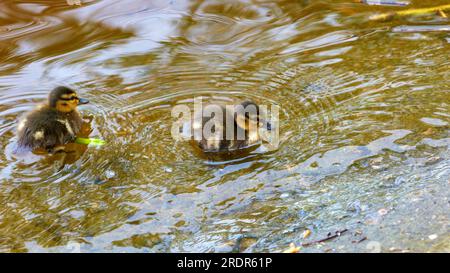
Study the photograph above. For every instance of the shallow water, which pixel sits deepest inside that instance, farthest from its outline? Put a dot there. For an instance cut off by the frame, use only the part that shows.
(364, 126)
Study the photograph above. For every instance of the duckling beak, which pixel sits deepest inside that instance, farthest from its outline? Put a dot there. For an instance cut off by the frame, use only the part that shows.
(82, 101)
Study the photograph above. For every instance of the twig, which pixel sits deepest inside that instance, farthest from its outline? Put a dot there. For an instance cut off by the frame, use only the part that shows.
(360, 240)
(329, 237)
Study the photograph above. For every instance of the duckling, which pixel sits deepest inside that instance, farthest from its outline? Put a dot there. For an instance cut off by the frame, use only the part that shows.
(52, 125)
(248, 122)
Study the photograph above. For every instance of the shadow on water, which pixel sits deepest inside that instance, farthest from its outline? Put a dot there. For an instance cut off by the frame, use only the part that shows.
(363, 122)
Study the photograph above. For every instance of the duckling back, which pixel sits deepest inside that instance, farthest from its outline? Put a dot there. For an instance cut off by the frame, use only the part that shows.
(45, 128)
(219, 142)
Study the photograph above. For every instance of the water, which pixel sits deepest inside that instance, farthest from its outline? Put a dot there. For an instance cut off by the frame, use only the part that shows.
(364, 126)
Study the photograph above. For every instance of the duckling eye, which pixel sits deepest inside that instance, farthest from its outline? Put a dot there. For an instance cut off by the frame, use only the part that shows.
(69, 99)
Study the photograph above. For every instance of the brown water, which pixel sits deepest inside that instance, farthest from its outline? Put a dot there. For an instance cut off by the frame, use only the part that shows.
(364, 126)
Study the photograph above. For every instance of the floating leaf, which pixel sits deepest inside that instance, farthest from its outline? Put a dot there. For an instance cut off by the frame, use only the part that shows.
(90, 141)
(292, 249)
(409, 12)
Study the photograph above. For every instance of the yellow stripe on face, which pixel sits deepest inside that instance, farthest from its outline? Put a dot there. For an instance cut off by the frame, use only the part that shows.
(71, 96)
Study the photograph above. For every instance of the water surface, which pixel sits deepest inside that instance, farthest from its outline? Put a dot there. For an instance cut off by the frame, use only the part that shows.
(364, 126)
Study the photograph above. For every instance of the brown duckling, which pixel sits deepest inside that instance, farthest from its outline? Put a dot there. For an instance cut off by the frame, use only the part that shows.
(52, 125)
(248, 122)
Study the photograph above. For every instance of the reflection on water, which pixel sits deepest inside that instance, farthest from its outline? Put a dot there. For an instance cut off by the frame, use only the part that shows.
(357, 101)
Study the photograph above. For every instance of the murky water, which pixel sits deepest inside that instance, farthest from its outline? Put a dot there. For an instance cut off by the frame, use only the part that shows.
(364, 126)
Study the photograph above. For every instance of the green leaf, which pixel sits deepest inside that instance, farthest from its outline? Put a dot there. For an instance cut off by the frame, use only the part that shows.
(90, 141)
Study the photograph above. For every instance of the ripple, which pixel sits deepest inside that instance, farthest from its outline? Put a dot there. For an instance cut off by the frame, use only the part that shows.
(338, 37)
(420, 28)
(16, 31)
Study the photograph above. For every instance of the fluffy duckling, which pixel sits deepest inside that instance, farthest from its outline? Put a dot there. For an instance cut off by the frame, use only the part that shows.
(52, 125)
(248, 121)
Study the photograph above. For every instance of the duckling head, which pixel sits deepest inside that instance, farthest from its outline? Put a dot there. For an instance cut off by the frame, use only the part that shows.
(251, 117)
(65, 100)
